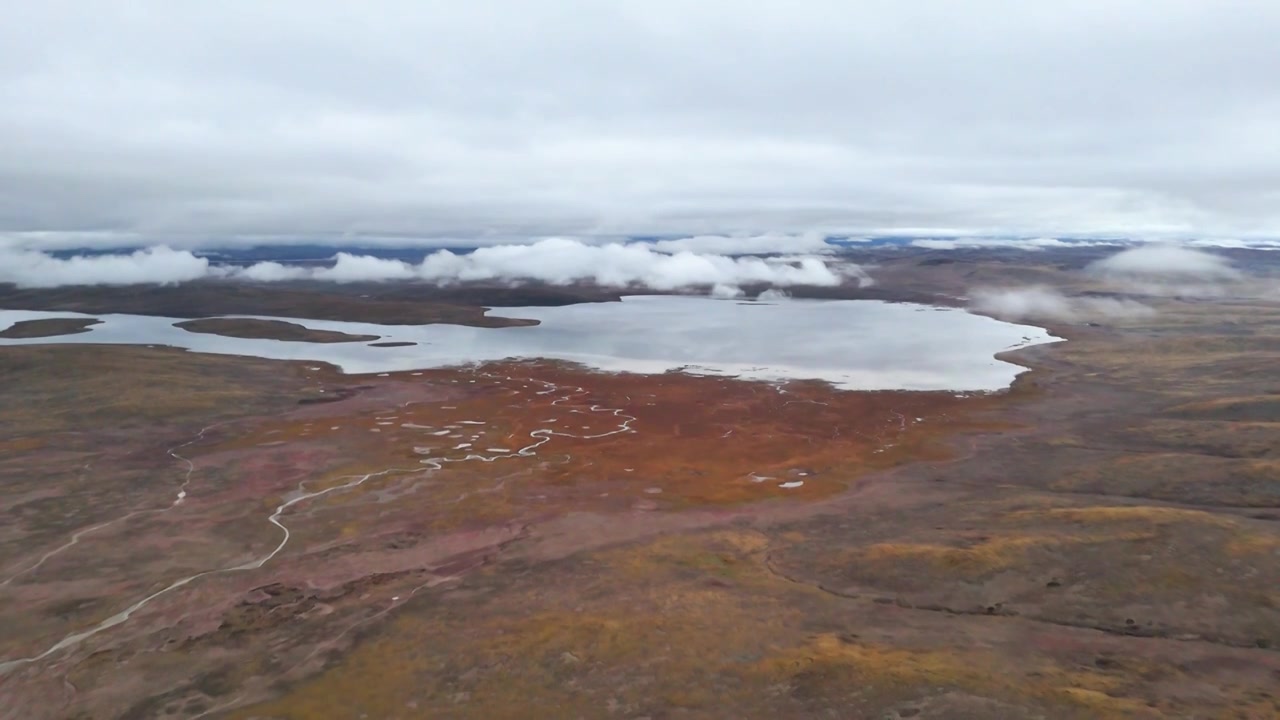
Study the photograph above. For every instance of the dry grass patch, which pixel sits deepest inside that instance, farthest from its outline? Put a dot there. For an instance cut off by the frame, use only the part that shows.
(982, 557)
(1145, 514)
(1263, 408)
(881, 668)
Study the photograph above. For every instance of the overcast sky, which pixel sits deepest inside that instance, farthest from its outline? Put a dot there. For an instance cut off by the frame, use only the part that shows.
(193, 122)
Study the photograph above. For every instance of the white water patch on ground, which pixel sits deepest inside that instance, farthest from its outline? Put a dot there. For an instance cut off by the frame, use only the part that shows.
(853, 344)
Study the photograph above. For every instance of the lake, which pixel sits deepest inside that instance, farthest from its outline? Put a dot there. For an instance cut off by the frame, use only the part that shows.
(853, 344)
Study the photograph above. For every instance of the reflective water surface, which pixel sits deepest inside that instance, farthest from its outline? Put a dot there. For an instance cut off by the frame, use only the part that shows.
(854, 344)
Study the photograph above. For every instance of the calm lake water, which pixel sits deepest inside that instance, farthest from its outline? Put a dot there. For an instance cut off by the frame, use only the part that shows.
(854, 344)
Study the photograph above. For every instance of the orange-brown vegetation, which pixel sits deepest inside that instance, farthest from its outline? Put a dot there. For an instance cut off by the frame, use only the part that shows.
(700, 624)
(582, 439)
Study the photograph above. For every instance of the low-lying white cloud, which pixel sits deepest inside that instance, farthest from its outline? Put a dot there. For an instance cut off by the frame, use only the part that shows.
(161, 265)
(364, 268)
(726, 292)
(552, 261)
(1170, 270)
(1042, 303)
(563, 261)
(1154, 269)
(273, 272)
(1172, 262)
(773, 295)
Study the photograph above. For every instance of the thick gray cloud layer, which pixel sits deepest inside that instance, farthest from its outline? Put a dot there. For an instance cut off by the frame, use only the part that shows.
(186, 123)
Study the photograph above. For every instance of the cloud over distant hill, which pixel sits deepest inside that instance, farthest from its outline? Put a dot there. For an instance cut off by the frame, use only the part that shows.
(1158, 269)
(1171, 262)
(1170, 270)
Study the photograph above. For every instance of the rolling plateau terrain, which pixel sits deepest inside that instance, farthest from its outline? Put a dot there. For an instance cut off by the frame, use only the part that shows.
(197, 536)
